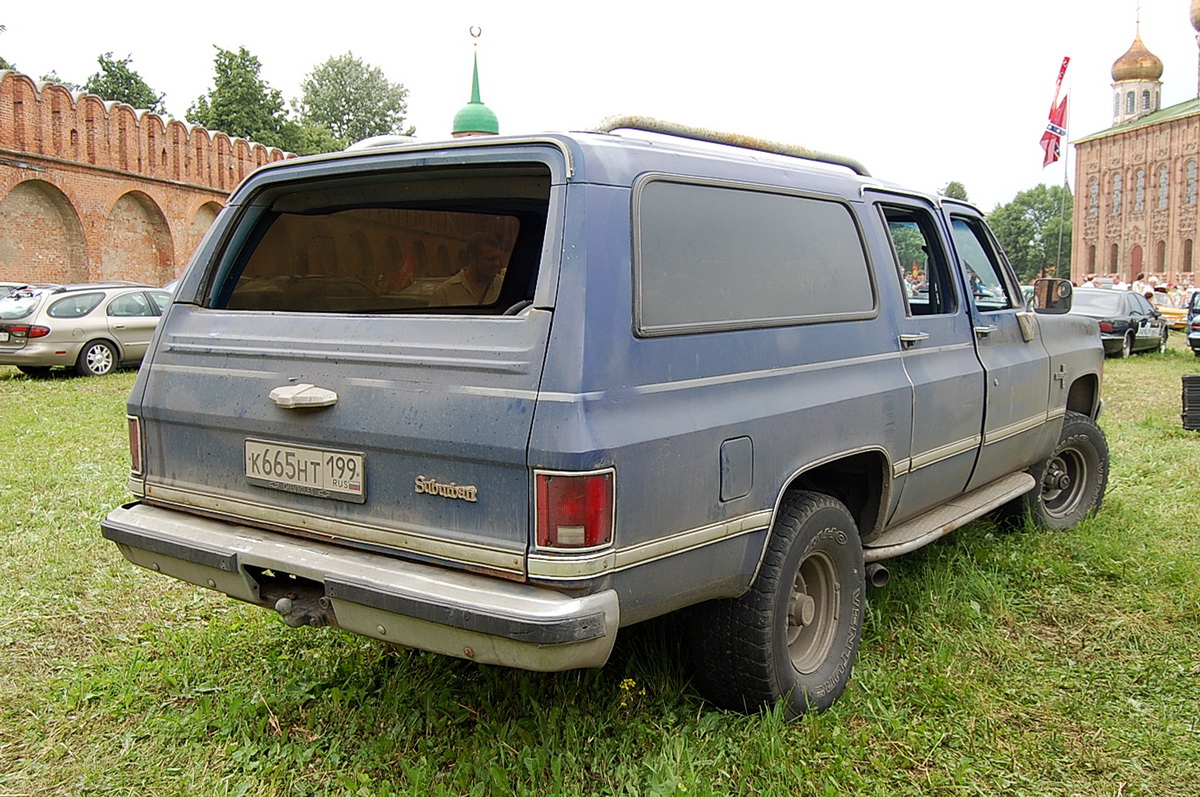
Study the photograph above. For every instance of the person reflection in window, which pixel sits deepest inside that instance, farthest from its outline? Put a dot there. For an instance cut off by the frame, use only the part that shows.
(479, 281)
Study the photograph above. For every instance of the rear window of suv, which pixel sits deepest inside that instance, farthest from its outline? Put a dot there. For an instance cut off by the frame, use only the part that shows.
(450, 240)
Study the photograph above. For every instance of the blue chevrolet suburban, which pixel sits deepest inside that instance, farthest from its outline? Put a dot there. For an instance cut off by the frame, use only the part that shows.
(501, 397)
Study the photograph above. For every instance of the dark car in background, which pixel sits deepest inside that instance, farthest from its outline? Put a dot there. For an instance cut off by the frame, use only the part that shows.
(1128, 323)
(1193, 323)
(93, 328)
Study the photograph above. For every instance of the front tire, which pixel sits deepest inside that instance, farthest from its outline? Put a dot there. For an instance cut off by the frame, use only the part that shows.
(96, 359)
(1162, 343)
(1071, 481)
(794, 635)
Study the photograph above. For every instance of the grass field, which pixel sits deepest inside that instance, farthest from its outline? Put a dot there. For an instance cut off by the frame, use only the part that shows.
(994, 663)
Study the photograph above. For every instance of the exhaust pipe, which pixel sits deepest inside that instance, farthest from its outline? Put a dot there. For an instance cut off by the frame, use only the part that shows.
(877, 574)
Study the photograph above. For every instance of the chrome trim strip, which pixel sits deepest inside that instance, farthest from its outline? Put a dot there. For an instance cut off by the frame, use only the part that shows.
(944, 452)
(1016, 428)
(405, 540)
(719, 379)
(573, 568)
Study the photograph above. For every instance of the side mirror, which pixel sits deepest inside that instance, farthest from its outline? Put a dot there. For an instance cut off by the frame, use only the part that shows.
(1052, 296)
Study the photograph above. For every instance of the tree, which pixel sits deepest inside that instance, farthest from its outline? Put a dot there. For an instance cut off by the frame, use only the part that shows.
(5, 64)
(116, 81)
(52, 77)
(955, 190)
(1030, 229)
(353, 100)
(242, 104)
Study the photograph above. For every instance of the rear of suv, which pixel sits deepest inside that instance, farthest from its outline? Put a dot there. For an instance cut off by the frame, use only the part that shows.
(92, 328)
(499, 398)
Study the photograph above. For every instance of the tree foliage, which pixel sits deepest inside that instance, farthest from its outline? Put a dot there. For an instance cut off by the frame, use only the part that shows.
(5, 64)
(1030, 229)
(354, 100)
(241, 103)
(955, 190)
(117, 81)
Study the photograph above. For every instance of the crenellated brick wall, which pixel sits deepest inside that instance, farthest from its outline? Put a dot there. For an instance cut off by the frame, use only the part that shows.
(94, 190)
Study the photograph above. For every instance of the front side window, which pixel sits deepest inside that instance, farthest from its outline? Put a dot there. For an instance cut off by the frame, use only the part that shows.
(362, 245)
(990, 290)
(715, 256)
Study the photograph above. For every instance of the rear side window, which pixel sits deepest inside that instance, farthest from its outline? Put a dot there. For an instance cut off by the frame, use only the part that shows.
(132, 305)
(713, 256)
(76, 306)
(451, 240)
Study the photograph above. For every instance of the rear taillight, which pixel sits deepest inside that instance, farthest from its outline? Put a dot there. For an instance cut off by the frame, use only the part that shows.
(574, 510)
(28, 331)
(1195, 326)
(1106, 326)
(135, 446)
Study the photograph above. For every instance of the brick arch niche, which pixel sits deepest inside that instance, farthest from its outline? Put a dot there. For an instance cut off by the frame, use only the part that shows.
(202, 219)
(41, 237)
(137, 242)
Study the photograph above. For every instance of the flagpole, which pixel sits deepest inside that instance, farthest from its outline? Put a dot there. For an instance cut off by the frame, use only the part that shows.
(1062, 195)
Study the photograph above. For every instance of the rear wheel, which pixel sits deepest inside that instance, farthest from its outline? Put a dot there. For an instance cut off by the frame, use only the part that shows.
(1071, 481)
(794, 636)
(96, 359)
(1126, 346)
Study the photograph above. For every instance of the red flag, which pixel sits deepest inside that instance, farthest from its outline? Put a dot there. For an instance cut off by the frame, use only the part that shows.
(1056, 128)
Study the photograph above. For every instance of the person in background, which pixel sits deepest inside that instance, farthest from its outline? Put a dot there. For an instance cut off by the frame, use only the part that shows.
(478, 282)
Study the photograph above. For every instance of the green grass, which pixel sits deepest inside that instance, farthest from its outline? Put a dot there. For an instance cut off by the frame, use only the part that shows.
(994, 663)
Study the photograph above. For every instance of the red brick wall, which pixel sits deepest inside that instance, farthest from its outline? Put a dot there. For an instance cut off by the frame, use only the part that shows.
(92, 190)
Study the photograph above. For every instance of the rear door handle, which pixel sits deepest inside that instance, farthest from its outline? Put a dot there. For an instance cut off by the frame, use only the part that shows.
(908, 340)
(985, 331)
(303, 396)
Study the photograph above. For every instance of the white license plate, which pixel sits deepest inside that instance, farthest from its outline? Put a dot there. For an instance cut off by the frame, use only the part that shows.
(340, 475)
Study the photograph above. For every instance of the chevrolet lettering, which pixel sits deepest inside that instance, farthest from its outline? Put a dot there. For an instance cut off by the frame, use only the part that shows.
(687, 372)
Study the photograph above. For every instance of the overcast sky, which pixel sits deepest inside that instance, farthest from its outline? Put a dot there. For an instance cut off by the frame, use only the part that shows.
(922, 92)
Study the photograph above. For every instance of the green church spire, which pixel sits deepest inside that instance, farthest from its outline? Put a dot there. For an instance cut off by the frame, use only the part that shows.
(475, 118)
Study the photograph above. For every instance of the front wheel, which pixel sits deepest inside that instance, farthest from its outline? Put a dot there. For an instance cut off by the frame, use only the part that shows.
(794, 635)
(96, 359)
(1071, 481)
(1162, 343)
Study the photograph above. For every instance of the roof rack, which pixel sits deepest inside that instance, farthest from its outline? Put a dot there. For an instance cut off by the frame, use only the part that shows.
(649, 124)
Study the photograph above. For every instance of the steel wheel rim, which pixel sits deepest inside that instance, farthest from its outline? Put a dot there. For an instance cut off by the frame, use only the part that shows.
(99, 359)
(1064, 482)
(813, 609)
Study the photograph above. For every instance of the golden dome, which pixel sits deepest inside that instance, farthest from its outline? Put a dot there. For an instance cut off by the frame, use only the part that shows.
(1139, 63)
(1196, 14)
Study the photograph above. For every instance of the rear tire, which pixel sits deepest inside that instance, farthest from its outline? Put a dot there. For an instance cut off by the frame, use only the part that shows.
(794, 635)
(97, 358)
(1071, 481)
